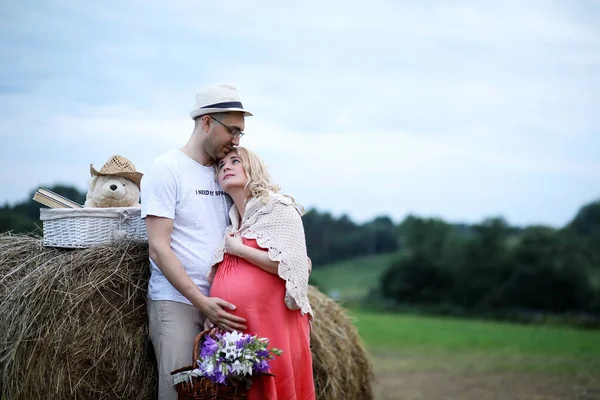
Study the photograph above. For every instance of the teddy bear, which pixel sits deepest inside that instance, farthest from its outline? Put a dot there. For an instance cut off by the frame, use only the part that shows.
(117, 184)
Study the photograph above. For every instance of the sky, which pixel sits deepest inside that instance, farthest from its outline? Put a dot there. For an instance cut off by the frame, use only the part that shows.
(459, 110)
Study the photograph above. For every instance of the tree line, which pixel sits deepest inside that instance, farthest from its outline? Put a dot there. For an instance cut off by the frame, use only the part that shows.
(329, 239)
(495, 269)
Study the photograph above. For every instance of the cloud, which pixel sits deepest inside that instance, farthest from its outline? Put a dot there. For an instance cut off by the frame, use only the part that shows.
(460, 109)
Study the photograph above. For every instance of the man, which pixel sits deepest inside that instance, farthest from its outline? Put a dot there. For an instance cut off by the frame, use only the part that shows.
(186, 215)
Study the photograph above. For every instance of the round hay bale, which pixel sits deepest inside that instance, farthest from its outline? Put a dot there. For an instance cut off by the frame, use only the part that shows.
(341, 366)
(73, 325)
(73, 322)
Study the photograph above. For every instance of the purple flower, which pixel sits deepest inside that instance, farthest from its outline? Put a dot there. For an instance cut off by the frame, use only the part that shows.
(209, 347)
(218, 376)
(262, 366)
(243, 342)
(262, 353)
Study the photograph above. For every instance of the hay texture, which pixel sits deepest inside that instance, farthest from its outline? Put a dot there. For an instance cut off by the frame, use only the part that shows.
(73, 325)
(73, 322)
(341, 365)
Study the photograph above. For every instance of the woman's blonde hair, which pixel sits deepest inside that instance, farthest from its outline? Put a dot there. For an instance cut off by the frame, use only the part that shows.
(259, 182)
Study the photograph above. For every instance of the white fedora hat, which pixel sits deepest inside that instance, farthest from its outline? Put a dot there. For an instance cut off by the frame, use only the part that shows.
(217, 99)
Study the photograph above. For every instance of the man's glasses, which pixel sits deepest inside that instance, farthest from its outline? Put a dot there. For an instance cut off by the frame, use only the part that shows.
(234, 132)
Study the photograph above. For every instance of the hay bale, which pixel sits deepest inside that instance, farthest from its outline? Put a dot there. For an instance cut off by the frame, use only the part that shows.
(73, 325)
(73, 322)
(341, 365)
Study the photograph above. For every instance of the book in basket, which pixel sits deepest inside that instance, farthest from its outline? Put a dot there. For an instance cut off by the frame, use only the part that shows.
(53, 200)
(224, 366)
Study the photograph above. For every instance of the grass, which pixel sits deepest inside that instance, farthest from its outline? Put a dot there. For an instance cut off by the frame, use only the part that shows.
(426, 343)
(354, 278)
(418, 357)
(412, 343)
(392, 330)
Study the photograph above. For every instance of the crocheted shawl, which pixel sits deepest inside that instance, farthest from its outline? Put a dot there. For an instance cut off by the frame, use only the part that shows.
(276, 224)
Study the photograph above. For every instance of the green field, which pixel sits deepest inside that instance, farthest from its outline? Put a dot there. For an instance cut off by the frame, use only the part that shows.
(460, 344)
(419, 357)
(442, 358)
(354, 278)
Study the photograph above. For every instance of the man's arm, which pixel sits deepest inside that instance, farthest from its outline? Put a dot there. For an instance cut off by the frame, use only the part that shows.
(159, 244)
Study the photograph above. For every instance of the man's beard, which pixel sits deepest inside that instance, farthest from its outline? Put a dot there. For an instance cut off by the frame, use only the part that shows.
(212, 150)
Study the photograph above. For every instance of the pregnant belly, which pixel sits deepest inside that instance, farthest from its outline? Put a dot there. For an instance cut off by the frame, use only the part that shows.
(247, 286)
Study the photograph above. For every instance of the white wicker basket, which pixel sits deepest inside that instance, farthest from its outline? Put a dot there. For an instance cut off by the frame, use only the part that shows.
(87, 227)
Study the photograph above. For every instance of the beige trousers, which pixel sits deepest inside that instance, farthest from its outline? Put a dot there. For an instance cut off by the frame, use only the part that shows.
(173, 327)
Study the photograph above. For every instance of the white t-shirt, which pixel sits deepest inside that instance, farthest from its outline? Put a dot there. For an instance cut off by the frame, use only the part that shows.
(179, 188)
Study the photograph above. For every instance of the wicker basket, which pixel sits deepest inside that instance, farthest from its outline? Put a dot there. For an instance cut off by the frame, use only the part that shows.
(190, 387)
(88, 227)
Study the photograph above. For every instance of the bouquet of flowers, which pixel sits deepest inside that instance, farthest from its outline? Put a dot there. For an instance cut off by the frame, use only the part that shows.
(227, 360)
(235, 356)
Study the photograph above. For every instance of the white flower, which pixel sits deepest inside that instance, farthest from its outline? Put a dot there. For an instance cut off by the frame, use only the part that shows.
(237, 367)
(232, 337)
(231, 351)
(248, 368)
(241, 368)
(208, 366)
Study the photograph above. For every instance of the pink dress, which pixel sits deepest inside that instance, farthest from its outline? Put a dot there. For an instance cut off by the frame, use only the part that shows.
(259, 298)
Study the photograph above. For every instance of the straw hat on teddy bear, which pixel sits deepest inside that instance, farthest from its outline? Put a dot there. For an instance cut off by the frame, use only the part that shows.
(121, 167)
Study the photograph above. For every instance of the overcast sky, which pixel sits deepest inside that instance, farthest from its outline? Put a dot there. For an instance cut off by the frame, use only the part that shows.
(460, 110)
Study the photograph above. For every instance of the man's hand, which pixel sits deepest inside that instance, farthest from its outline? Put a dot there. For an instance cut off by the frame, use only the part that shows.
(233, 244)
(214, 309)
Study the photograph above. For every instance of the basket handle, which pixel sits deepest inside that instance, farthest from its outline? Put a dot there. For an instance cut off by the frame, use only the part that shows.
(198, 342)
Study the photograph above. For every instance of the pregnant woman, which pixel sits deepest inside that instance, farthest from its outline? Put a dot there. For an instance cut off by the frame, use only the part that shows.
(262, 266)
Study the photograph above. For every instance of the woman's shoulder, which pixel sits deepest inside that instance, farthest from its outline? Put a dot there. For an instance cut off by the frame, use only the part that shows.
(274, 206)
(278, 198)
(282, 204)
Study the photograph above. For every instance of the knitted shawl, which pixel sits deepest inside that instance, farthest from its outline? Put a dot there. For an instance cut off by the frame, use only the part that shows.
(276, 224)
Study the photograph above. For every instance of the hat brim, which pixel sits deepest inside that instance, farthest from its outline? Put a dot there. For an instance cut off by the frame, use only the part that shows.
(135, 177)
(203, 111)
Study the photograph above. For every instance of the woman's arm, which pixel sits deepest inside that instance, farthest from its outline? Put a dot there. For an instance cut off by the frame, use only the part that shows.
(260, 258)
